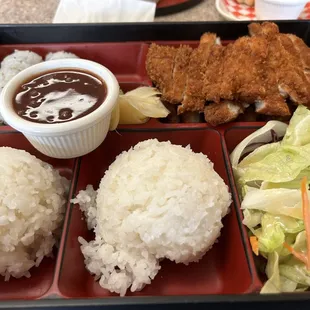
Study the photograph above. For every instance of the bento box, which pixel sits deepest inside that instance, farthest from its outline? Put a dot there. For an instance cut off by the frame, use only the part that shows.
(227, 275)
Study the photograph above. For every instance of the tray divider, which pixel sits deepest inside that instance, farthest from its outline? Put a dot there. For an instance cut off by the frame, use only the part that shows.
(54, 289)
(257, 284)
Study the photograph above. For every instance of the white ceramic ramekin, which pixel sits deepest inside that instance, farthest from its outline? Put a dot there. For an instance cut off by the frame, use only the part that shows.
(279, 9)
(68, 139)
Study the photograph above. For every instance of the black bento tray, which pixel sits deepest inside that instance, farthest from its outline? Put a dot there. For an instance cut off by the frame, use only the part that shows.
(148, 32)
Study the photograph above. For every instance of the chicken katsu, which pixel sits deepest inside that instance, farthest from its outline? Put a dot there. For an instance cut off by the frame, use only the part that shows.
(267, 70)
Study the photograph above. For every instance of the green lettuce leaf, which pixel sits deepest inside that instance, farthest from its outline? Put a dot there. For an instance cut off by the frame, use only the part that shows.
(280, 201)
(273, 284)
(271, 236)
(288, 224)
(283, 165)
(262, 135)
(296, 241)
(244, 189)
(259, 154)
(287, 285)
(300, 244)
(296, 272)
(252, 218)
(285, 273)
(298, 131)
(295, 184)
(277, 282)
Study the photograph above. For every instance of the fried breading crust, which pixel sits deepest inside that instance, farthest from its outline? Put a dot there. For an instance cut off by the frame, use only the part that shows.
(267, 29)
(180, 73)
(159, 65)
(193, 96)
(212, 75)
(303, 51)
(223, 112)
(242, 70)
(272, 105)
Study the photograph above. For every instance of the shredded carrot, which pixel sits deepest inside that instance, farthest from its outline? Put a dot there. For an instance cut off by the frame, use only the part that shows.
(306, 215)
(302, 257)
(254, 244)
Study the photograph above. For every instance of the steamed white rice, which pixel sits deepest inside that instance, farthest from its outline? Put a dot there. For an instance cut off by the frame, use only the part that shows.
(32, 202)
(15, 63)
(60, 55)
(156, 201)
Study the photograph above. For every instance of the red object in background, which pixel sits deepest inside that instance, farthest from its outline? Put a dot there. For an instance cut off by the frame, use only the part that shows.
(167, 3)
(165, 7)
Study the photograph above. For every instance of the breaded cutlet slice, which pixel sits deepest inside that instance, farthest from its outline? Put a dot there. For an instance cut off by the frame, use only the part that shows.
(251, 76)
(212, 74)
(269, 31)
(243, 69)
(284, 66)
(223, 112)
(198, 63)
(283, 77)
(180, 70)
(272, 105)
(193, 96)
(159, 66)
(303, 52)
(238, 71)
(291, 77)
(266, 29)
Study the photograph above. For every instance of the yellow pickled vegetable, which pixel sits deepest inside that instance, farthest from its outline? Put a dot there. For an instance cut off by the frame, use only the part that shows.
(137, 106)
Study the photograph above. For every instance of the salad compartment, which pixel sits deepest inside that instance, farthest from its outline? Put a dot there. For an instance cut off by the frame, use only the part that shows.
(269, 199)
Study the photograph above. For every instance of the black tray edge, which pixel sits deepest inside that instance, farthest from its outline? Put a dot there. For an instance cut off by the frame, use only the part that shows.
(220, 302)
(128, 32)
(73, 33)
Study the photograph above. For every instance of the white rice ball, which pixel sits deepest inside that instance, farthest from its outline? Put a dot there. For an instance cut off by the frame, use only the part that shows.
(32, 205)
(156, 201)
(15, 63)
(60, 55)
(20, 60)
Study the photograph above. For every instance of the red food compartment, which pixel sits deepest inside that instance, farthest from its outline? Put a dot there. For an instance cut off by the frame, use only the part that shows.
(128, 86)
(233, 136)
(125, 60)
(41, 277)
(223, 270)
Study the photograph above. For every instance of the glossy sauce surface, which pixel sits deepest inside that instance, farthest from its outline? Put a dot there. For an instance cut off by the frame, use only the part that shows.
(59, 96)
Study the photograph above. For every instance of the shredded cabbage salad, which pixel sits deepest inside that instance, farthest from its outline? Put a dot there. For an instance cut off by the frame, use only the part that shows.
(272, 173)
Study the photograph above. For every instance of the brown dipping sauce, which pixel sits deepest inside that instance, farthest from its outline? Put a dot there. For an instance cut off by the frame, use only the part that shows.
(59, 96)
